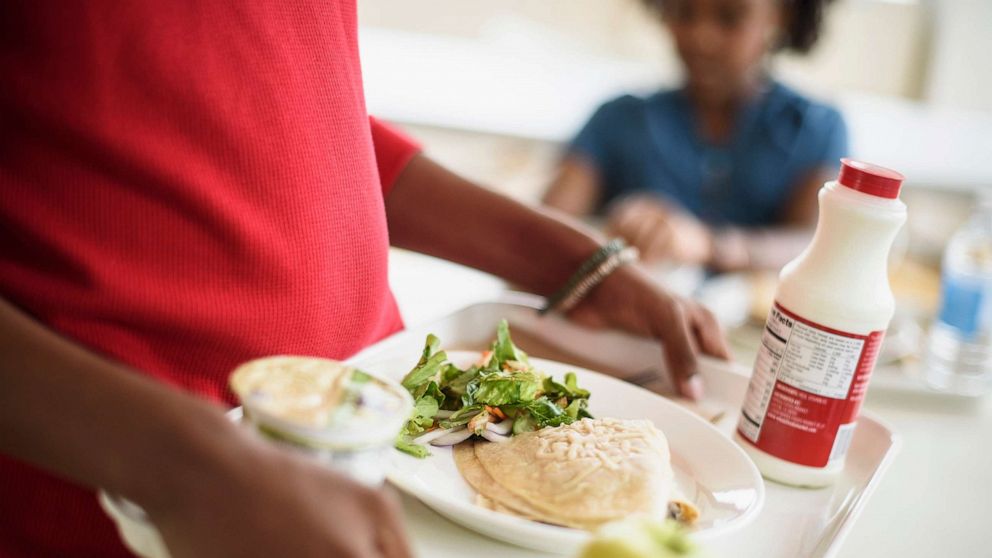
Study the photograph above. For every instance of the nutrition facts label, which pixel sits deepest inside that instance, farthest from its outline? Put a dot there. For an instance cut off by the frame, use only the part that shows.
(799, 369)
(819, 362)
(774, 341)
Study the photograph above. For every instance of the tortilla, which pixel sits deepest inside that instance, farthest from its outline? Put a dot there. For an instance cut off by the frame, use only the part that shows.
(580, 475)
(490, 494)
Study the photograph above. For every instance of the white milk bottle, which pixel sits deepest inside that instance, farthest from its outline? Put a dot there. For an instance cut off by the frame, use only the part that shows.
(832, 307)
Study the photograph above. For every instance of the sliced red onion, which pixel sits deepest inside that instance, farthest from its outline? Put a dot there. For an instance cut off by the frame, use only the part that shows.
(435, 434)
(494, 437)
(453, 438)
(502, 428)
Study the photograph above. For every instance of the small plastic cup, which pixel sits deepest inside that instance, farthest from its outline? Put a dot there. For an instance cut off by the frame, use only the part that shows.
(343, 417)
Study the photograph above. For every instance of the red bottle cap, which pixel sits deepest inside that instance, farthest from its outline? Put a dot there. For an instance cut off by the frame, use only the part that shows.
(870, 179)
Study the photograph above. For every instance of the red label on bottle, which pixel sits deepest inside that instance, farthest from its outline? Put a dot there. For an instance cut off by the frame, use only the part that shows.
(807, 388)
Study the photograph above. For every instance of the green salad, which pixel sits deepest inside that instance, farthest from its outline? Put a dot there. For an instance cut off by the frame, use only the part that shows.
(497, 397)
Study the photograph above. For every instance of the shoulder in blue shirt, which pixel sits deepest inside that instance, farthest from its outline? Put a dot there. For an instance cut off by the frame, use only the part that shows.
(652, 145)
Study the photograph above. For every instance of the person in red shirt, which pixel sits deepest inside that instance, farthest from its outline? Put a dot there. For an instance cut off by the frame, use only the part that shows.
(189, 185)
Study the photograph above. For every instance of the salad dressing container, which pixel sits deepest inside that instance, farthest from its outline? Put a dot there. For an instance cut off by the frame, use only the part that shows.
(342, 417)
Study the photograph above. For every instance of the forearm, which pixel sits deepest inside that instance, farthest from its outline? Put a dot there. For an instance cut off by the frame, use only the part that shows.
(86, 418)
(434, 211)
(773, 247)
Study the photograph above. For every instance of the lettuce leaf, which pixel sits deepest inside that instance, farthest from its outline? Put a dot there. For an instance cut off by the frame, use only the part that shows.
(503, 348)
(460, 417)
(545, 413)
(424, 411)
(577, 409)
(507, 388)
(458, 385)
(428, 367)
(430, 389)
(449, 373)
(406, 445)
(569, 389)
(524, 422)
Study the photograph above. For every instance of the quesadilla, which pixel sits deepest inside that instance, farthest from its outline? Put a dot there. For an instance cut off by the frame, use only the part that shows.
(581, 475)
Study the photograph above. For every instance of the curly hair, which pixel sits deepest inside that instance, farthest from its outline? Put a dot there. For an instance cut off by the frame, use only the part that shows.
(801, 28)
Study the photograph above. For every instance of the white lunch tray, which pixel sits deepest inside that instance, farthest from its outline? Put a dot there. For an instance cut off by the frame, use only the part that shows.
(793, 523)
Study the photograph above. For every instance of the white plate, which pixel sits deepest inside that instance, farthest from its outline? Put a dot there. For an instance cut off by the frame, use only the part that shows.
(711, 471)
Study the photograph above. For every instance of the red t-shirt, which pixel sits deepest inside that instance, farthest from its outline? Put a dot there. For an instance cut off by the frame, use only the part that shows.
(185, 186)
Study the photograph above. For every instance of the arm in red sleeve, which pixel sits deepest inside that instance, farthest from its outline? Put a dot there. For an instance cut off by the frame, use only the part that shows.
(393, 150)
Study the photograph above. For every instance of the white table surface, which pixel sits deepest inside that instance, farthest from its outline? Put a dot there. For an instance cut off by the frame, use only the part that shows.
(933, 502)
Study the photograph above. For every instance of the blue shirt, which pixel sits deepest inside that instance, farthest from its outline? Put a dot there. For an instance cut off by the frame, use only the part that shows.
(652, 145)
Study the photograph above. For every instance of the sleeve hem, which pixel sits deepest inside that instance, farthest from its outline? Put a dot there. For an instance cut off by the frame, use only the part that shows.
(393, 152)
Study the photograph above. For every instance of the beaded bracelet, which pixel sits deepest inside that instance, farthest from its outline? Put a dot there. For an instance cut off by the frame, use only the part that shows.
(592, 272)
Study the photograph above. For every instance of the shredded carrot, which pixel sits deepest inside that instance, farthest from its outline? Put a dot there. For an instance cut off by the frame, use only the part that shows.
(484, 359)
(496, 411)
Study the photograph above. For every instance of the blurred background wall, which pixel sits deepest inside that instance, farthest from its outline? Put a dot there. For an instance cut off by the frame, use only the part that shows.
(494, 88)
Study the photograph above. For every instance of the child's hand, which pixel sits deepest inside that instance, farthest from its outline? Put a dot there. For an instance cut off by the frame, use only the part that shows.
(661, 232)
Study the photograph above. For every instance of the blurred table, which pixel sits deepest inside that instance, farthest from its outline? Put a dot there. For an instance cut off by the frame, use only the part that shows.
(932, 502)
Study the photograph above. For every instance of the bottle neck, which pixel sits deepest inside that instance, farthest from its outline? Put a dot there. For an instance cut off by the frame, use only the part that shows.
(854, 235)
